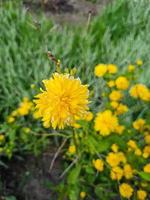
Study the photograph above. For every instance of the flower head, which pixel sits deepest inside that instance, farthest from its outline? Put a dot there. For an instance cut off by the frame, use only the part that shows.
(25, 107)
(100, 70)
(140, 91)
(138, 124)
(122, 83)
(63, 99)
(72, 149)
(115, 95)
(141, 194)
(126, 190)
(139, 62)
(106, 122)
(147, 168)
(128, 171)
(131, 68)
(116, 173)
(98, 164)
(112, 69)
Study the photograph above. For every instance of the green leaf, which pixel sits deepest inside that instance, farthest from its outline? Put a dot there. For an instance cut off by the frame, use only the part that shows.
(144, 175)
(73, 175)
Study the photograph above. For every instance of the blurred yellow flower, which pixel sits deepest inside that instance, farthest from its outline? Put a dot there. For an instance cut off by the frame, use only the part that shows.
(147, 139)
(115, 95)
(131, 68)
(139, 62)
(100, 70)
(119, 129)
(116, 173)
(128, 171)
(89, 116)
(72, 149)
(126, 190)
(64, 99)
(112, 69)
(139, 124)
(122, 83)
(121, 109)
(147, 168)
(98, 164)
(113, 159)
(138, 152)
(140, 91)
(111, 83)
(2, 137)
(114, 104)
(36, 114)
(82, 195)
(10, 119)
(141, 194)
(132, 144)
(114, 148)
(106, 122)
(146, 151)
(25, 107)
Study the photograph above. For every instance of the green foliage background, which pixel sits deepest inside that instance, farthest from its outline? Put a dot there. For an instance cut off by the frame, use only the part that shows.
(120, 35)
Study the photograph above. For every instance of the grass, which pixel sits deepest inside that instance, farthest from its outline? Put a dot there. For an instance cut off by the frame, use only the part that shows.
(120, 35)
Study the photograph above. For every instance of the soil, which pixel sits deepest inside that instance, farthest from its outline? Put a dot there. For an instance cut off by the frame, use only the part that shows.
(28, 178)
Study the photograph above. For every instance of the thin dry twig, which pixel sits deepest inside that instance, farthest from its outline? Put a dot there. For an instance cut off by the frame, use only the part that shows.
(56, 155)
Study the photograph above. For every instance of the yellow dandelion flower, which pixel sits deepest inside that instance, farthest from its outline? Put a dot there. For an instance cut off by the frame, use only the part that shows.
(119, 129)
(138, 152)
(121, 109)
(122, 83)
(25, 107)
(147, 139)
(72, 149)
(98, 164)
(141, 194)
(10, 119)
(114, 104)
(121, 157)
(140, 91)
(112, 159)
(89, 116)
(128, 171)
(106, 122)
(112, 69)
(82, 195)
(132, 144)
(100, 70)
(146, 151)
(147, 168)
(116, 173)
(115, 95)
(139, 62)
(114, 148)
(131, 68)
(125, 190)
(111, 83)
(64, 99)
(2, 137)
(139, 124)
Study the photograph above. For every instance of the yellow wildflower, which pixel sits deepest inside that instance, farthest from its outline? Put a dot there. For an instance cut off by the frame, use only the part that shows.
(24, 107)
(89, 116)
(114, 148)
(64, 98)
(122, 83)
(112, 69)
(116, 173)
(147, 168)
(141, 194)
(147, 139)
(125, 190)
(36, 115)
(140, 91)
(115, 95)
(2, 137)
(106, 122)
(10, 119)
(139, 62)
(128, 171)
(146, 151)
(119, 129)
(111, 83)
(138, 152)
(100, 70)
(72, 149)
(138, 124)
(82, 195)
(122, 157)
(131, 68)
(132, 144)
(121, 109)
(114, 104)
(98, 164)
(113, 159)
(14, 113)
